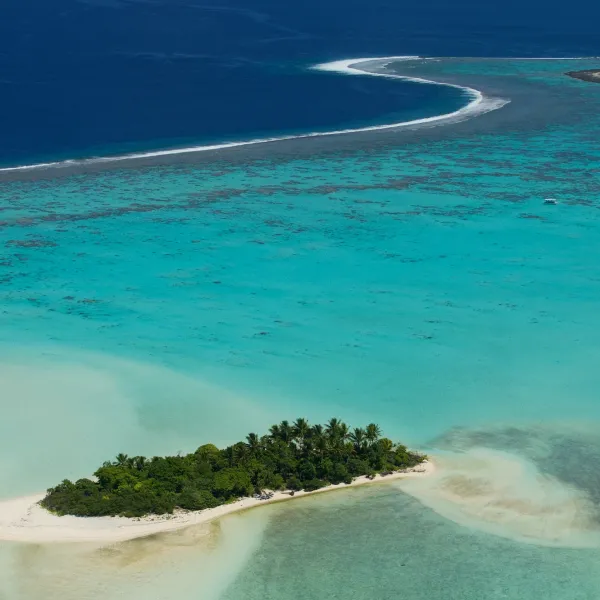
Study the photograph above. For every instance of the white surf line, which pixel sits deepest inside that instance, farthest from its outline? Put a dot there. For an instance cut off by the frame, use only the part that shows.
(478, 105)
(548, 58)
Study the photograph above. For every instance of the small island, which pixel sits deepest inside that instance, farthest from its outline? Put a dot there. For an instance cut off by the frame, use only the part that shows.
(292, 457)
(592, 75)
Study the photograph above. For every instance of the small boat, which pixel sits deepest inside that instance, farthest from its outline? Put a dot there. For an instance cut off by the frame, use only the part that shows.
(550, 201)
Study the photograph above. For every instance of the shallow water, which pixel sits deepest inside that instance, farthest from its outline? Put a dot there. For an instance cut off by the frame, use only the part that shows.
(385, 545)
(199, 562)
(412, 278)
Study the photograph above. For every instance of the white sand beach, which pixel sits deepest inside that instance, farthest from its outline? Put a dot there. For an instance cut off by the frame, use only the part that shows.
(23, 520)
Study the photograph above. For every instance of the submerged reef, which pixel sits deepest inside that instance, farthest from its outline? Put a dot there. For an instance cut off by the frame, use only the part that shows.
(592, 75)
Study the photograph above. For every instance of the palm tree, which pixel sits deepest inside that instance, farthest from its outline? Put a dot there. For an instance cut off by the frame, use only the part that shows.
(122, 459)
(315, 440)
(372, 433)
(285, 431)
(140, 462)
(274, 432)
(253, 443)
(358, 437)
(237, 453)
(332, 428)
(344, 431)
(300, 430)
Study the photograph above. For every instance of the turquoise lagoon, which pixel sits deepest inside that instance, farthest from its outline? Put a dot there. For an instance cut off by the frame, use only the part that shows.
(410, 277)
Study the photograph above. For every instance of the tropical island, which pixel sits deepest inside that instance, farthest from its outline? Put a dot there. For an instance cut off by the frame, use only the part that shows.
(592, 75)
(292, 456)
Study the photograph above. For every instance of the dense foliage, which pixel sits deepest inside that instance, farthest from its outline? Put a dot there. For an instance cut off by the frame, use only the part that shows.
(292, 456)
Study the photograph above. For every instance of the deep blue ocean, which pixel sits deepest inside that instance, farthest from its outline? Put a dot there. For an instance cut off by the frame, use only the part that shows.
(95, 77)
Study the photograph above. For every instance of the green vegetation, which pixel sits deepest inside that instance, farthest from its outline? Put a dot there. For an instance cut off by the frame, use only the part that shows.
(292, 456)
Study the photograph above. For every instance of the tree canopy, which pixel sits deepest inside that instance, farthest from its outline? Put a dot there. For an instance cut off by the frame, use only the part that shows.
(292, 456)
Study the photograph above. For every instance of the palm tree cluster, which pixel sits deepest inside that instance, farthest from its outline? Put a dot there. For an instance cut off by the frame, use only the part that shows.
(317, 438)
(291, 456)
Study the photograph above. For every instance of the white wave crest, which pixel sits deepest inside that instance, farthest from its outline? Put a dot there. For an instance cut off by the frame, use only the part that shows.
(478, 105)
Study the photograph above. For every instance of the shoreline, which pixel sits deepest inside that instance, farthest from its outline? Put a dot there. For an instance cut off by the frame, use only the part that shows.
(23, 520)
(589, 75)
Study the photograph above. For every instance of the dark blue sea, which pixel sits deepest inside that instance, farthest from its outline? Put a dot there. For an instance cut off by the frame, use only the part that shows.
(94, 77)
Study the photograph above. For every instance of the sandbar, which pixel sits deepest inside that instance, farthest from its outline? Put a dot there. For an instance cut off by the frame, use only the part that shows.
(24, 520)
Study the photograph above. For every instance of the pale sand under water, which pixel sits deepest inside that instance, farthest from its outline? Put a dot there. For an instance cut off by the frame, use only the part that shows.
(24, 520)
(507, 495)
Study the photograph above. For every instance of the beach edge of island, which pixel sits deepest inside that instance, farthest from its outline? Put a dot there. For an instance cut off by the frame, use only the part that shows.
(24, 520)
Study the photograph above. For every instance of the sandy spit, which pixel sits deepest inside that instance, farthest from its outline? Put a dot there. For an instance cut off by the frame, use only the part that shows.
(24, 520)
